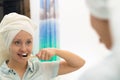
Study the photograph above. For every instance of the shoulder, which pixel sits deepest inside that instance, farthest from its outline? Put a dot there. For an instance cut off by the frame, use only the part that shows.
(49, 69)
(45, 64)
(108, 69)
(37, 65)
(4, 71)
(4, 67)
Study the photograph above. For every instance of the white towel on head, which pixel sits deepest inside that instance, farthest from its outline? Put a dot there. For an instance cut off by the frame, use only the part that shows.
(12, 24)
(98, 8)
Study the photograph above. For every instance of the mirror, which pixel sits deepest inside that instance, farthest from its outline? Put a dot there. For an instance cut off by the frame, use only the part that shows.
(19, 6)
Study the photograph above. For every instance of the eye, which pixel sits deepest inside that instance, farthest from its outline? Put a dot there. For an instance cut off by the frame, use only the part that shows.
(28, 42)
(17, 42)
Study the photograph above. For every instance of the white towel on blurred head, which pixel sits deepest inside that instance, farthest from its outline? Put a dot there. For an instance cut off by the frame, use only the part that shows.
(12, 24)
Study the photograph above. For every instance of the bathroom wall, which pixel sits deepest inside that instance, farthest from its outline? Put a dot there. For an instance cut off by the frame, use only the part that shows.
(76, 33)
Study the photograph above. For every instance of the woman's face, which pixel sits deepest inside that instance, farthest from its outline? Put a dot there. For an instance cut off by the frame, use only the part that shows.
(21, 45)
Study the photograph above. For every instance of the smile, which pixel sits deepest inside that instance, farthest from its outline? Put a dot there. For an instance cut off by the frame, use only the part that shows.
(23, 55)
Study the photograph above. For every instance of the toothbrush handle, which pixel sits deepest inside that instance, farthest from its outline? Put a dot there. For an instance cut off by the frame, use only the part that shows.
(33, 56)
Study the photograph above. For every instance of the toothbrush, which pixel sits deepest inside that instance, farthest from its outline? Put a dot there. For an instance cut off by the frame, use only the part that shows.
(25, 55)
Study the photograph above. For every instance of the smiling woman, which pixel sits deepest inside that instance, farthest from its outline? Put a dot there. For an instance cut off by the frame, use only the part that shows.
(17, 32)
(21, 47)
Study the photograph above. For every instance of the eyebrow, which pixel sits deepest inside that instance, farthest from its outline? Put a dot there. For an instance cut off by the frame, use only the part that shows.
(20, 39)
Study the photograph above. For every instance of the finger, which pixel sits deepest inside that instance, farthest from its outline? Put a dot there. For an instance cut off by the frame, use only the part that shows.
(43, 55)
(38, 55)
(49, 57)
(46, 56)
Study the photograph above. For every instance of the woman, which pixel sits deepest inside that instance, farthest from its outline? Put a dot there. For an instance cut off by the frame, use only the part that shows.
(105, 20)
(17, 34)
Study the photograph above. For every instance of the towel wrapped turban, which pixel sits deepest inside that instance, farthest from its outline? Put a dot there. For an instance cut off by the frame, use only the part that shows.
(12, 24)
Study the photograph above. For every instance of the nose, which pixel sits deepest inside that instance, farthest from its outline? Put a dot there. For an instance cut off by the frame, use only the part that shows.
(23, 48)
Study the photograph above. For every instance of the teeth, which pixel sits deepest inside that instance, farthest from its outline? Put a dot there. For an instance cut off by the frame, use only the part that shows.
(24, 55)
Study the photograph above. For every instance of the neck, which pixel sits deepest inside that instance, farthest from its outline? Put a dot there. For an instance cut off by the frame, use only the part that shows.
(17, 65)
(20, 68)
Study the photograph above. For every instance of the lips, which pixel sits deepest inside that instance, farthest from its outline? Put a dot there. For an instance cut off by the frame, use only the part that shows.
(23, 55)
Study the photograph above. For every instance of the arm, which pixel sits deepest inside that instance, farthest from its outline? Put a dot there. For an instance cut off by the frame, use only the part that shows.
(70, 63)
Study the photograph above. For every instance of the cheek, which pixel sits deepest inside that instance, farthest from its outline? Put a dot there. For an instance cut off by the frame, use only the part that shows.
(13, 50)
(30, 48)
